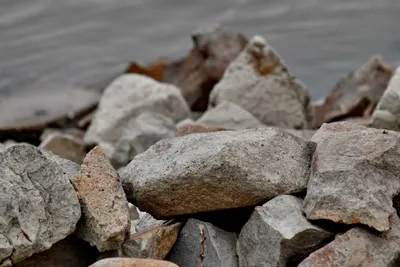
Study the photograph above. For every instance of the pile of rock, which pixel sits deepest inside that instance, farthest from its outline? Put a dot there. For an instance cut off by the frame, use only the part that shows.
(255, 180)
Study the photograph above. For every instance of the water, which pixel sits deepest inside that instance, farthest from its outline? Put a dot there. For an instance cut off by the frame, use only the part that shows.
(87, 42)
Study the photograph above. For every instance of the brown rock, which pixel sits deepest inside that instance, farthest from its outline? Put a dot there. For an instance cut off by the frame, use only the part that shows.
(197, 128)
(65, 146)
(155, 71)
(153, 243)
(355, 95)
(214, 49)
(106, 218)
(131, 262)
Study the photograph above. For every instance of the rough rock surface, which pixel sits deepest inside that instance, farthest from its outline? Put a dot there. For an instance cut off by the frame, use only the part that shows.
(387, 113)
(197, 128)
(214, 49)
(152, 243)
(306, 135)
(65, 146)
(259, 82)
(354, 175)
(355, 95)
(124, 100)
(38, 205)
(360, 247)
(278, 234)
(105, 209)
(230, 116)
(202, 244)
(131, 262)
(214, 171)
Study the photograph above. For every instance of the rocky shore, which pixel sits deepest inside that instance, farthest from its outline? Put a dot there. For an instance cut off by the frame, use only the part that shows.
(218, 159)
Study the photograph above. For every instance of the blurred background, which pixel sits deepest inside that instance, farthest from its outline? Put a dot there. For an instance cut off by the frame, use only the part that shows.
(89, 42)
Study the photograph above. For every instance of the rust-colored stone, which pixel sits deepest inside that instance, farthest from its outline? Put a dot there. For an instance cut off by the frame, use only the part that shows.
(155, 71)
(197, 128)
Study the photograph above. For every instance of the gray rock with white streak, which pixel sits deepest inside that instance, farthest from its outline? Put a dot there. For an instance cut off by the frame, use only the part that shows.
(354, 175)
(259, 81)
(214, 171)
(38, 205)
(278, 234)
(123, 101)
(230, 116)
(387, 112)
(203, 244)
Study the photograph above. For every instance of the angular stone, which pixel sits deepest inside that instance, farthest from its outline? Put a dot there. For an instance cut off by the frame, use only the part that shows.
(197, 128)
(65, 146)
(106, 219)
(214, 171)
(152, 243)
(214, 49)
(202, 244)
(230, 116)
(355, 95)
(354, 175)
(278, 234)
(259, 82)
(387, 113)
(131, 262)
(38, 205)
(123, 101)
(133, 212)
(360, 247)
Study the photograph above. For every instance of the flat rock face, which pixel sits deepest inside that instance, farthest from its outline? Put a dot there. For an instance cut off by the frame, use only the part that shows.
(124, 100)
(387, 113)
(105, 209)
(354, 175)
(203, 244)
(151, 243)
(197, 128)
(230, 116)
(38, 205)
(65, 146)
(130, 262)
(259, 81)
(278, 234)
(214, 171)
(357, 94)
(360, 247)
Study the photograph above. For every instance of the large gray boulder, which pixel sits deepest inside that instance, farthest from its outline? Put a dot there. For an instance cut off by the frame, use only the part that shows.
(387, 112)
(106, 218)
(38, 205)
(259, 81)
(278, 234)
(124, 100)
(360, 247)
(354, 175)
(203, 244)
(204, 172)
(230, 116)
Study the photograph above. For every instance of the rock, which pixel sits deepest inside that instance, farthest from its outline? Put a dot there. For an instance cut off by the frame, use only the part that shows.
(360, 247)
(258, 81)
(306, 135)
(278, 234)
(26, 112)
(354, 175)
(77, 133)
(215, 171)
(66, 253)
(65, 146)
(133, 212)
(2, 147)
(152, 243)
(155, 71)
(387, 113)
(105, 219)
(355, 95)
(214, 49)
(6, 263)
(131, 262)
(197, 128)
(231, 116)
(184, 122)
(38, 205)
(202, 244)
(135, 109)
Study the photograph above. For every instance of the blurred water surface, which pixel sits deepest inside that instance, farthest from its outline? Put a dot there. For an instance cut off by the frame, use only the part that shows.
(87, 42)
